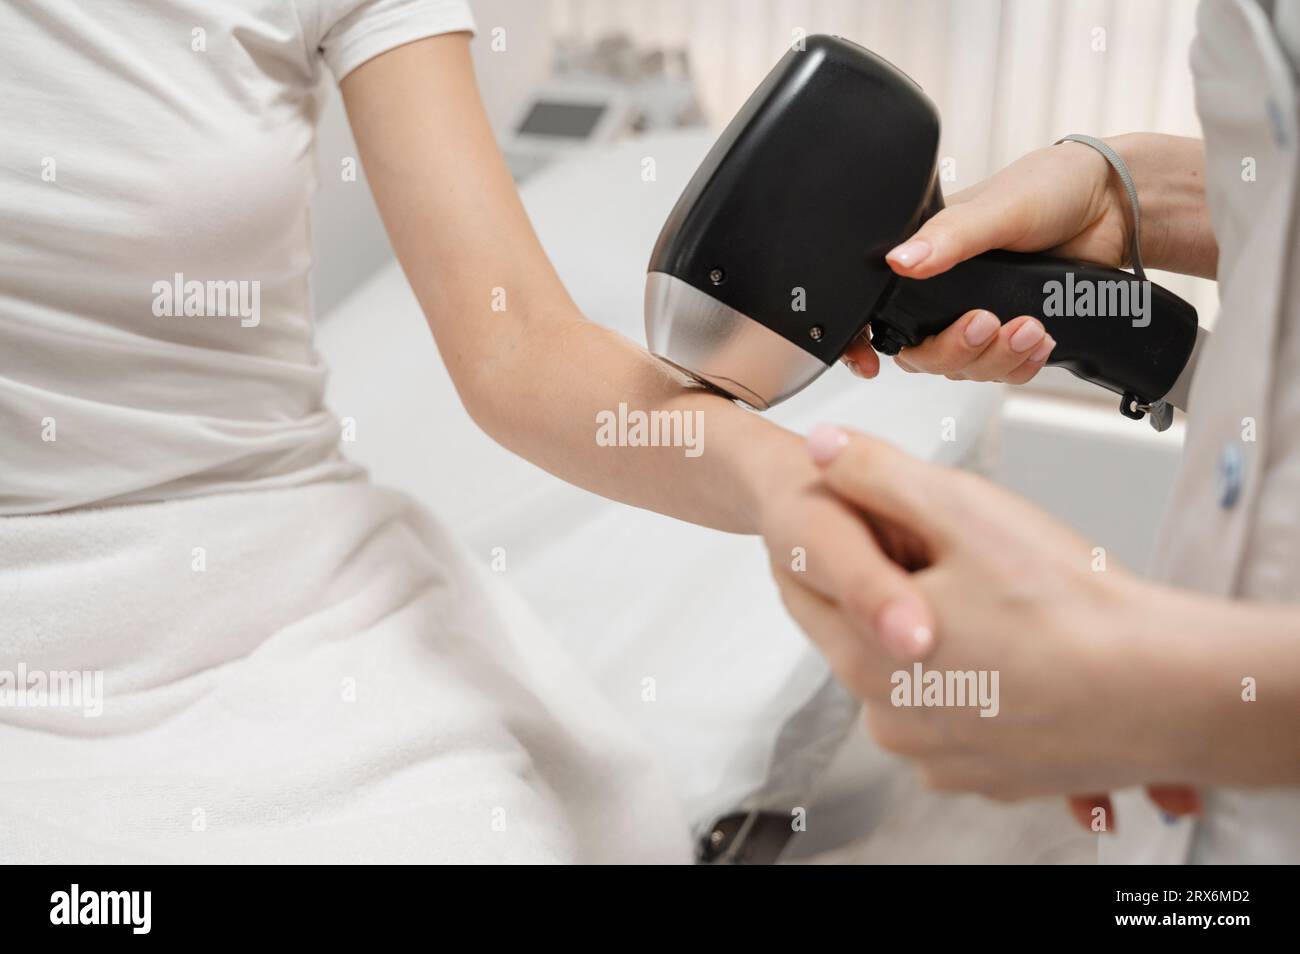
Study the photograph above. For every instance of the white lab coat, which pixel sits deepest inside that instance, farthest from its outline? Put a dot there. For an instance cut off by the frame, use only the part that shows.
(1233, 523)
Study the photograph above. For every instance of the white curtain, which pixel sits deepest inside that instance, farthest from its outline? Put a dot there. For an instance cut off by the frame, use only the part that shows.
(1007, 75)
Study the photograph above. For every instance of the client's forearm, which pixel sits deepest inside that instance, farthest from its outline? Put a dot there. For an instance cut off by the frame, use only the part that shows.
(568, 395)
(1169, 173)
(595, 410)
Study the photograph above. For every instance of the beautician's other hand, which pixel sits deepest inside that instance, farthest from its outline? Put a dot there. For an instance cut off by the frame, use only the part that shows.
(1060, 199)
(1013, 591)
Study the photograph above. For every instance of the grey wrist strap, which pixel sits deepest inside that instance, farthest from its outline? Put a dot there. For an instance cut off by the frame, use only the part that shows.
(1160, 414)
(1125, 177)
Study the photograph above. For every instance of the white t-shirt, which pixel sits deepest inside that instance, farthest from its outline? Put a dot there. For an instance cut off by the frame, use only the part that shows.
(156, 169)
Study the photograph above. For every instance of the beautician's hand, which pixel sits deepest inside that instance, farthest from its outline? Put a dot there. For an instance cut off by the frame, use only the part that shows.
(1064, 200)
(1013, 591)
(1061, 199)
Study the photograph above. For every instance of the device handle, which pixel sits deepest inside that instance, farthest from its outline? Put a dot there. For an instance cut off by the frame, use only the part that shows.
(1138, 353)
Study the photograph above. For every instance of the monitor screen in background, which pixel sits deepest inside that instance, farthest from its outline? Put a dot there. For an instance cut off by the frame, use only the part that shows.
(571, 120)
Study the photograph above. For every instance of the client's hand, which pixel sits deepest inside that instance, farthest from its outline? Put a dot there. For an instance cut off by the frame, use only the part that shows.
(1059, 693)
(819, 543)
(1061, 199)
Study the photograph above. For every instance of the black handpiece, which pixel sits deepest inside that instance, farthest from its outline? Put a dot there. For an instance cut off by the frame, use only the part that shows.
(1137, 346)
(772, 260)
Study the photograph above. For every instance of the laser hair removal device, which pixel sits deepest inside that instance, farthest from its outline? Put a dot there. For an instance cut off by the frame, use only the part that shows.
(773, 259)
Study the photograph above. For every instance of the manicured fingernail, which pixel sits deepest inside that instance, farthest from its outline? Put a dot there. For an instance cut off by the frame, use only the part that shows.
(825, 443)
(854, 367)
(983, 326)
(912, 252)
(1026, 336)
(903, 631)
(1043, 350)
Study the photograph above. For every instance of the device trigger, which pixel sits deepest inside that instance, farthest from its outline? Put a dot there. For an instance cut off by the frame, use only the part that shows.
(1131, 406)
(886, 339)
(1159, 414)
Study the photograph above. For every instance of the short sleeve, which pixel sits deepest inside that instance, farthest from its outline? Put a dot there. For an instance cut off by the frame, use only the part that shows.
(354, 31)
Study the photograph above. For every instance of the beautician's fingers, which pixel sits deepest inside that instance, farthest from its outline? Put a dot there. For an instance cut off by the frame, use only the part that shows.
(1036, 361)
(824, 544)
(860, 358)
(978, 347)
(895, 489)
(1175, 799)
(856, 663)
(961, 231)
(952, 350)
(975, 347)
(1021, 341)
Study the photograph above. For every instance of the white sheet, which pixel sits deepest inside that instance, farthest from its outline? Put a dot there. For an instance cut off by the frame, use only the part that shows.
(329, 680)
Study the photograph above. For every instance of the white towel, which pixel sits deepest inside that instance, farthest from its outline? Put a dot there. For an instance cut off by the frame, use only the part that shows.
(312, 674)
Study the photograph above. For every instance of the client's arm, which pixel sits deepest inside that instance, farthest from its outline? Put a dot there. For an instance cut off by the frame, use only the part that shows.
(535, 374)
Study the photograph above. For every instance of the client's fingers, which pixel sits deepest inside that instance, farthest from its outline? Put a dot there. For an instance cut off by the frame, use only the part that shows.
(837, 556)
(884, 482)
(856, 663)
